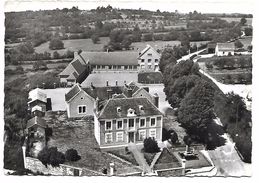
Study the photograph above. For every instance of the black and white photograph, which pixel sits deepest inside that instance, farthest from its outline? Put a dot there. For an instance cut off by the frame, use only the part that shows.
(125, 88)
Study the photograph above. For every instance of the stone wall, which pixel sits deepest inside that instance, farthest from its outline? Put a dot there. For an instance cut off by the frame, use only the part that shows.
(171, 172)
(35, 165)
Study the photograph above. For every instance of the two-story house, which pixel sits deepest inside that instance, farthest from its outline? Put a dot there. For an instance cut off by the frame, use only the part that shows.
(124, 120)
(149, 59)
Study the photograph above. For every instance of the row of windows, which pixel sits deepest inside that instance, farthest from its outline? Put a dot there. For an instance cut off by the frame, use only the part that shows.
(115, 67)
(131, 123)
(148, 60)
(119, 136)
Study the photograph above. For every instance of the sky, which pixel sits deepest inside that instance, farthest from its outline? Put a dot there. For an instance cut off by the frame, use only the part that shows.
(183, 6)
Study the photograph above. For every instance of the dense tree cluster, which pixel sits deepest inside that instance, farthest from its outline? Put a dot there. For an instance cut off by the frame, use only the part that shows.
(51, 156)
(56, 44)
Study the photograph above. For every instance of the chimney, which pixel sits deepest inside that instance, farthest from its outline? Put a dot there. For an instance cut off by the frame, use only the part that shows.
(129, 92)
(156, 100)
(97, 103)
(109, 93)
(183, 166)
(75, 54)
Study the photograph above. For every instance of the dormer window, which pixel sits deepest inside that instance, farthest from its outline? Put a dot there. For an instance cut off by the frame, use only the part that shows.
(118, 109)
(141, 108)
(131, 112)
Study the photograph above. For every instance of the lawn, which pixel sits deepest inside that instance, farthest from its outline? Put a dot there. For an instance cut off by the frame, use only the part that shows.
(79, 134)
(128, 156)
(75, 45)
(246, 41)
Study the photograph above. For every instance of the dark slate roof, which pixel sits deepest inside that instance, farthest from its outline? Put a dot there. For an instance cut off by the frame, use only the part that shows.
(110, 109)
(36, 121)
(72, 92)
(111, 58)
(78, 66)
(133, 86)
(101, 92)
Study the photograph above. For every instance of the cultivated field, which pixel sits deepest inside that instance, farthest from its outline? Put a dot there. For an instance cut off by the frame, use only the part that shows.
(161, 44)
(230, 19)
(75, 45)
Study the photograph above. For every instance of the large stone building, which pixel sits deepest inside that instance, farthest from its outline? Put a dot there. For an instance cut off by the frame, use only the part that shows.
(124, 120)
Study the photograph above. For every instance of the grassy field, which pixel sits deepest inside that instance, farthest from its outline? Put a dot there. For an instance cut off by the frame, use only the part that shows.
(246, 41)
(230, 19)
(74, 45)
(160, 44)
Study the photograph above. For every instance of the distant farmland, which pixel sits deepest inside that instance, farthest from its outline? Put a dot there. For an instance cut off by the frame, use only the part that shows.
(74, 45)
(230, 19)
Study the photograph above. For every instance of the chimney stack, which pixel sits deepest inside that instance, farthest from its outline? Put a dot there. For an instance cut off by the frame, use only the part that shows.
(156, 100)
(97, 103)
(109, 93)
(129, 92)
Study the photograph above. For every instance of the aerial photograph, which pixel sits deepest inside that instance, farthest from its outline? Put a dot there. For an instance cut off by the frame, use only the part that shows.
(128, 88)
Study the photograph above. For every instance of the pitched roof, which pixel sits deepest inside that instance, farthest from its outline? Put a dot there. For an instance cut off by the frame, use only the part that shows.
(37, 94)
(67, 71)
(101, 92)
(148, 47)
(111, 58)
(36, 121)
(72, 92)
(226, 46)
(110, 109)
(78, 66)
(36, 107)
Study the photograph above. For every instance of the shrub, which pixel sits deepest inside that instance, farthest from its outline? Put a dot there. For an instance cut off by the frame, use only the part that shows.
(150, 145)
(51, 156)
(72, 155)
(95, 38)
(56, 44)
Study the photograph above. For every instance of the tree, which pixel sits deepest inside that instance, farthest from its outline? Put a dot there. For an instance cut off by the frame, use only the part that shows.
(38, 65)
(51, 156)
(238, 44)
(150, 145)
(196, 109)
(248, 31)
(243, 21)
(72, 155)
(95, 38)
(56, 44)
(56, 55)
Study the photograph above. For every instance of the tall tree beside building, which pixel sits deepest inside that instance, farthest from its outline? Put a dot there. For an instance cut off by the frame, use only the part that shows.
(56, 44)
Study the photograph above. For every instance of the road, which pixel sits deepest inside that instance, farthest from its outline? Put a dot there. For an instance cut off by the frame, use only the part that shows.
(227, 160)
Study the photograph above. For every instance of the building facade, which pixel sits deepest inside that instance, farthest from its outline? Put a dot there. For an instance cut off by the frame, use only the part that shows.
(225, 49)
(81, 102)
(149, 59)
(125, 120)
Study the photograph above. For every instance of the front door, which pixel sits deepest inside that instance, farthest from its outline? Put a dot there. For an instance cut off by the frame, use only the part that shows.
(131, 137)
